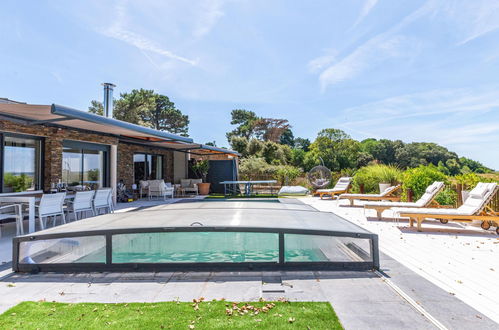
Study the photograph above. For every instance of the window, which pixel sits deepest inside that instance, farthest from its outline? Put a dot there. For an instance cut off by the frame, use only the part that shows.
(147, 167)
(84, 165)
(21, 163)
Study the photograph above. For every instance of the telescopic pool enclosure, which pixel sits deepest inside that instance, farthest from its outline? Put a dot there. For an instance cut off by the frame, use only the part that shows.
(232, 235)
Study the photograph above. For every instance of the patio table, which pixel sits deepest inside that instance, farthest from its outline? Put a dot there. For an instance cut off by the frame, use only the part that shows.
(229, 186)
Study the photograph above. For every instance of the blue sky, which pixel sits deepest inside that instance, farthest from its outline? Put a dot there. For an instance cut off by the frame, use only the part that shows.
(409, 70)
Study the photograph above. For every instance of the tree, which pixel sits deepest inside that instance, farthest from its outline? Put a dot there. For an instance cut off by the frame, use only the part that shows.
(246, 123)
(287, 138)
(165, 117)
(239, 144)
(255, 147)
(136, 107)
(96, 107)
(335, 148)
(270, 129)
(302, 143)
(147, 108)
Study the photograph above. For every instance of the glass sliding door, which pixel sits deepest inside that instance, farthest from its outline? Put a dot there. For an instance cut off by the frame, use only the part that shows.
(21, 163)
(84, 165)
(147, 167)
(93, 168)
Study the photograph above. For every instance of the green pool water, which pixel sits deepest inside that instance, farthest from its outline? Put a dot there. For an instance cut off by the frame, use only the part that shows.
(203, 247)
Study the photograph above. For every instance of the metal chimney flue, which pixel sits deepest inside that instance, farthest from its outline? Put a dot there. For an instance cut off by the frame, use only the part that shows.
(108, 99)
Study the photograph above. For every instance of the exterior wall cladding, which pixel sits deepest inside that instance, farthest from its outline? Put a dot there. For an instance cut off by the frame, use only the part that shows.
(53, 146)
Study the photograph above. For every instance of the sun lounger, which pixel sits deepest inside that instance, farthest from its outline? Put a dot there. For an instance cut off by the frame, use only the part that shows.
(341, 187)
(427, 200)
(474, 208)
(387, 195)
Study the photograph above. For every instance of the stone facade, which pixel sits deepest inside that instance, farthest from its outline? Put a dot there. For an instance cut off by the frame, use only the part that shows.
(125, 161)
(53, 138)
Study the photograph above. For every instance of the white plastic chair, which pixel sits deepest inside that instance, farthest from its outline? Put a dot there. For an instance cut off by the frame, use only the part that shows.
(13, 211)
(102, 200)
(51, 205)
(83, 202)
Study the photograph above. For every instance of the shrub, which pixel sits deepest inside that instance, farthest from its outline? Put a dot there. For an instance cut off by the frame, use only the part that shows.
(469, 180)
(253, 168)
(419, 178)
(447, 197)
(371, 176)
(286, 174)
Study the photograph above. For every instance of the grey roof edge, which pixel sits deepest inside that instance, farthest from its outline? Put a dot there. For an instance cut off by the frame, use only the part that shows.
(82, 115)
(223, 150)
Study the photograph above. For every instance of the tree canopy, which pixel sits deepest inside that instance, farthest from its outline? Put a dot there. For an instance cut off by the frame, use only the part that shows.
(149, 109)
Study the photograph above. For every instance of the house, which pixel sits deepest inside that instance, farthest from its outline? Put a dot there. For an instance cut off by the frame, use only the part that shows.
(45, 145)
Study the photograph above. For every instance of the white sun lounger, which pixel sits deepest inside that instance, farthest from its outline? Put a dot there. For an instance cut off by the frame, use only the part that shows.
(474, 208)
(341, 187)
(386, 195)
(427, 200)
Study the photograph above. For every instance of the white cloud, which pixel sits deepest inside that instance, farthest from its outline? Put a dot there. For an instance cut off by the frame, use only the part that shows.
(372, 52)
(144, 44)
(382, 47)
(119, 31)
(319, 63)
(465, 120)
(211, 12)
(366, 9)
(472, 19)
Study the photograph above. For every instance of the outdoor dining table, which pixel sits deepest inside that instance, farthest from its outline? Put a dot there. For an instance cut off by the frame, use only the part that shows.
(31, 201)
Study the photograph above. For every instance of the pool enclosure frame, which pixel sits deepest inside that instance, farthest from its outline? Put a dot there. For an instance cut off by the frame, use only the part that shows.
(196, 266)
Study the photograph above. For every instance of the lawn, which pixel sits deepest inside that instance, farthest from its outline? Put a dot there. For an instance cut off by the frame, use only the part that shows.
(172, 315)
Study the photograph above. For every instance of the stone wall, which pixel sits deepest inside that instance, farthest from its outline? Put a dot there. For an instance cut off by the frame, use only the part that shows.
(53, 147)
(125, 161)
(53, 144)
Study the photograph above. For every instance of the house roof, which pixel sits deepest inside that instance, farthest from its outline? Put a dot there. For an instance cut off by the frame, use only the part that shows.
(30, 114)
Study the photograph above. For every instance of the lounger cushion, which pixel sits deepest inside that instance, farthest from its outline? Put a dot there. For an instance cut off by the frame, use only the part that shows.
(293, 190)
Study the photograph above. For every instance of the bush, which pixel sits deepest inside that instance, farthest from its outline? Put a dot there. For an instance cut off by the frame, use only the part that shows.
(447, 197)
(256, 168)
(469, 180)
(419, 178)
(371, 176)
(286, 174)
(253, 168)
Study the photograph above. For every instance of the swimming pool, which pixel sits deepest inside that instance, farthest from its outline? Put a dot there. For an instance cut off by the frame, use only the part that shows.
(222, 235)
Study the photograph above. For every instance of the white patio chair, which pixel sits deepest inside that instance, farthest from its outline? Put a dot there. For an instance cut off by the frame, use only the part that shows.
(158, 188)
(51, 205)
(102, 200)
(143, 187)
(83, 202)
(12, 211)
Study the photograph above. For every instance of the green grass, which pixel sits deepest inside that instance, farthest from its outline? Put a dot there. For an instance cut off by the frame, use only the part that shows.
(171, 315)
(221, 196)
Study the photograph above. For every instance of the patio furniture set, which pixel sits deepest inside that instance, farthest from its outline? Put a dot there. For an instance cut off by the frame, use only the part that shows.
(46, 207)
(160, 188)
(475, 208)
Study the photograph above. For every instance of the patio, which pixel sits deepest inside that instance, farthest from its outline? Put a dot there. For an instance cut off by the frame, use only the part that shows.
(361, 299)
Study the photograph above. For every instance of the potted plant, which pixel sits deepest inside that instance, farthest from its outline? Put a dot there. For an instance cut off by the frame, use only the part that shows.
(201, 168)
